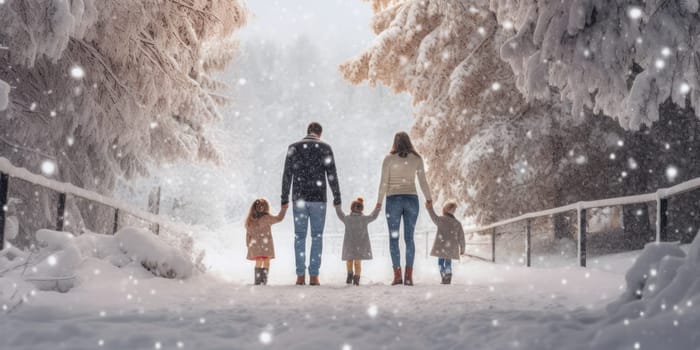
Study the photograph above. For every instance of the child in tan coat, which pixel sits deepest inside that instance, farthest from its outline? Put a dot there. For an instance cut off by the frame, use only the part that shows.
(449, 240)
(258, 226)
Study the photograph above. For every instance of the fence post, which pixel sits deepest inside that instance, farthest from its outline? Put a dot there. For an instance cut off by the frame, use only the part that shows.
(116, 221)
(493, 245)
(61, 212)
(4, 189)
(661, 220)
(582, 236)
(528, 245)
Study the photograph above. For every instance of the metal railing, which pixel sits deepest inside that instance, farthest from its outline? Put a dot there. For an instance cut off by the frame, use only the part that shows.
(9, 172)
(660, 197)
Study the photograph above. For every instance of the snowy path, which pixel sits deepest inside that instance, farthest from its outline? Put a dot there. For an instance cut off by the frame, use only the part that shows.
(489, 307)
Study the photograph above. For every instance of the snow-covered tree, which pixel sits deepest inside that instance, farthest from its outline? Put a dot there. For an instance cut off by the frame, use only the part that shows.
(105, 89)
(485, 144)
(621, 58)
(102, 90)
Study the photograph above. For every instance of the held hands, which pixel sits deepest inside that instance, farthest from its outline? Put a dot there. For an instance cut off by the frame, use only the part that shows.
(378, 206)
(285, 206)
(429, 204)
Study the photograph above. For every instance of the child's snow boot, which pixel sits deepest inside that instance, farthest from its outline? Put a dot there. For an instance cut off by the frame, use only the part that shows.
(448, 278)
(258, 276)
(442, 277)
(356, 280)
(397, 277)
(264, 275)
(349, 279)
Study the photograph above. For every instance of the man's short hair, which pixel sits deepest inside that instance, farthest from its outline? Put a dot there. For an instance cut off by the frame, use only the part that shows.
(314, 128)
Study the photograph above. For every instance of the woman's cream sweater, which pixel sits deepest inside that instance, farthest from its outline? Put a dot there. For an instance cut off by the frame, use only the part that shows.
(399, 176)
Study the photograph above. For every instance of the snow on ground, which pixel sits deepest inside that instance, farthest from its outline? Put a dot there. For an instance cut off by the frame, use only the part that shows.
(488, 307)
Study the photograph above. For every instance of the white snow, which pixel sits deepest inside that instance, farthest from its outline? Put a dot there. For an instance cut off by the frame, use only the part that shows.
(146, 248)
(116, 303)
(61, 257)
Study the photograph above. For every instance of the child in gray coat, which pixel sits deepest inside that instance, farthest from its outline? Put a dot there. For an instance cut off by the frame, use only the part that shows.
(356, 244)
(449, 239)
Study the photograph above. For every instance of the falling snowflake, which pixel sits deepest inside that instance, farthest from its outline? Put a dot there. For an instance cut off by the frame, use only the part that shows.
(659, 64)
(265, 337)
(684, 88)
(372, 311)
(635, 12)
(77, 72)
(671, 173)
(51, 260)
(48, 167)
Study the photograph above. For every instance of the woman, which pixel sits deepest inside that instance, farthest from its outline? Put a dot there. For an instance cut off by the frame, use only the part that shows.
(398, 184)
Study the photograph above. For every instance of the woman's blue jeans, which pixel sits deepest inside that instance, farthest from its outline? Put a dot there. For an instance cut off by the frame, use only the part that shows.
(402, 206)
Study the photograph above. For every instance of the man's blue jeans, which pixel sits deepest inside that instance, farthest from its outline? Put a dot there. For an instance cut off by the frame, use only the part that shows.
(445, 265)
(398, 206)
(305, 212)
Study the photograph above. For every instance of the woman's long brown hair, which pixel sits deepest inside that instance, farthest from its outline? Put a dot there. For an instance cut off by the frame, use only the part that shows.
(403, 145)
(258, 209)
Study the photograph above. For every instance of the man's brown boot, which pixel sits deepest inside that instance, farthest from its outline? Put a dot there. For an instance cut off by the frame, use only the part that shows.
(313, 280)
(301, 280)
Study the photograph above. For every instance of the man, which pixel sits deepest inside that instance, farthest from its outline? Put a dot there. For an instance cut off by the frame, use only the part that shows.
(309, 162)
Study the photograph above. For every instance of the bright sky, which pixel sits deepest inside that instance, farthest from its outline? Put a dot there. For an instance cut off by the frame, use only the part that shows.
(337, 24)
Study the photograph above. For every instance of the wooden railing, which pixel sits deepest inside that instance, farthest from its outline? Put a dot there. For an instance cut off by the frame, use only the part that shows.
(8, 172)
(660, 197)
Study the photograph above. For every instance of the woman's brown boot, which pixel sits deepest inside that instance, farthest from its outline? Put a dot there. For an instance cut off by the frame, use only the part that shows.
(408, 278)
(397, 276)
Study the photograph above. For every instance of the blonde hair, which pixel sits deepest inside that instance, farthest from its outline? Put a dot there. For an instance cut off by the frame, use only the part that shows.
(449, 208)
(358, 205)
(258, 209)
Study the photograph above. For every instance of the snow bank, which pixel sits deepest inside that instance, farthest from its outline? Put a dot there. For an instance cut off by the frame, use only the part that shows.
(4, 95)
(60, 257)
(659, 308)
(156, 256)
(58, 264)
